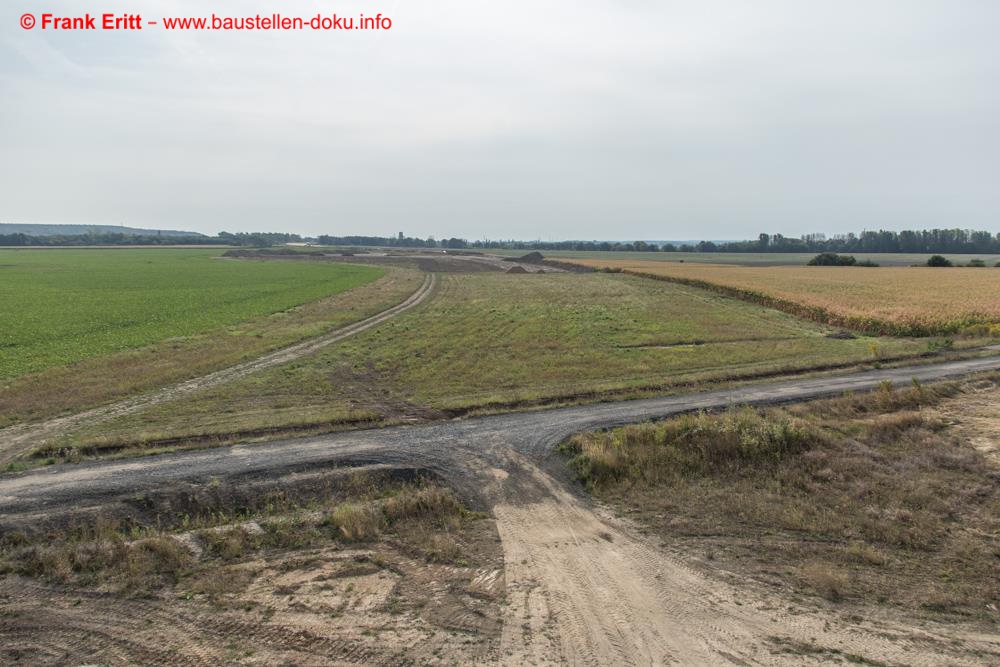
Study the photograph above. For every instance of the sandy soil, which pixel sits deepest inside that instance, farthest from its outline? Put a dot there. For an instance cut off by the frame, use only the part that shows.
(374, 606)
(976, 416)
(585, 588)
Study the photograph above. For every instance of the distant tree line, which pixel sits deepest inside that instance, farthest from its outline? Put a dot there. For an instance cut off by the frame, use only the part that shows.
(463, 244)
(105, 239)
(956, 241)
(953, 241)
(909, 241)
(257, 240)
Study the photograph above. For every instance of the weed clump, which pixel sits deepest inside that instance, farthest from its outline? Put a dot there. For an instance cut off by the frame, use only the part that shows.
(698, 444)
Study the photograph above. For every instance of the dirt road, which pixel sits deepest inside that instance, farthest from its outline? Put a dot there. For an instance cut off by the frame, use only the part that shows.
(17, 439)
(582, 586)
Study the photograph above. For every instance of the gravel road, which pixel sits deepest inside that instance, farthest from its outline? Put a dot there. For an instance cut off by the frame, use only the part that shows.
(583, 587)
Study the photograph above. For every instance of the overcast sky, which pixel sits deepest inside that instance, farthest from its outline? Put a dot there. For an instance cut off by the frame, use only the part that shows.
(550, 119)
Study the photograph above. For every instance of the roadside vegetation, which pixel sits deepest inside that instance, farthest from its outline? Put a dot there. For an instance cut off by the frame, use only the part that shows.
(897, 301)
(865, 499)
(97, 325)
(492, 342)
(134, 559)
(386, 570)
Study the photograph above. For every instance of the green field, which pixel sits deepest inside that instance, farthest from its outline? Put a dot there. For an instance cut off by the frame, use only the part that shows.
(494, 341)
(750, 258)
(64, 306)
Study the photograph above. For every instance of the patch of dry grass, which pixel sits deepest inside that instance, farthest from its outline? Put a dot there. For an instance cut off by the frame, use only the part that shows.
(859, 498)
(134, 559)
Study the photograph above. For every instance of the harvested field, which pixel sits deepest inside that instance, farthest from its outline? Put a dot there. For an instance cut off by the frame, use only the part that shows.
(750, 258)
(902, 301)
(494, 341)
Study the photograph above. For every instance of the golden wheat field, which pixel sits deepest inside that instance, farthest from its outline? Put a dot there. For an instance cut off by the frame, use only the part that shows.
(889, 300)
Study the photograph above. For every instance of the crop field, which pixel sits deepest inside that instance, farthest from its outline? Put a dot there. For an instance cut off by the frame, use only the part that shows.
(885, 300)
(750, 258)
(494, 341)
(61, 307)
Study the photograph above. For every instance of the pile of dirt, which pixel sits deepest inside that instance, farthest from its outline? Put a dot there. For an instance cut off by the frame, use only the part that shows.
(532, 258)
(517, 269)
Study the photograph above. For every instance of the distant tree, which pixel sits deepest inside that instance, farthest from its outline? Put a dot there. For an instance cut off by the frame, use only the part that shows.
(832, 259)
(976, 263)
(938, 260)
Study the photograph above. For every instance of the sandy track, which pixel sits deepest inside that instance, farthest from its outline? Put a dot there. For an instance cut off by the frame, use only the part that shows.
(18, 439)
(583, 587)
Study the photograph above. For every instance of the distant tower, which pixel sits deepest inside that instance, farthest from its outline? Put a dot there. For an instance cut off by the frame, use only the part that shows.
(401, 236)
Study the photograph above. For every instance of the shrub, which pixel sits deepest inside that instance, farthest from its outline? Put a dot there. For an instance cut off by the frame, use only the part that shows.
(938, 260)
(976, 263)
(832, 259)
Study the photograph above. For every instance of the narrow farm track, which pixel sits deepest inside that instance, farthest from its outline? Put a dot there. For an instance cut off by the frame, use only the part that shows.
(583, 587)
(16, 440)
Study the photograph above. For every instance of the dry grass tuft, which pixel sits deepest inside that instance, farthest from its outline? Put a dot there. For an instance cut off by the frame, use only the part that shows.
(825, 580)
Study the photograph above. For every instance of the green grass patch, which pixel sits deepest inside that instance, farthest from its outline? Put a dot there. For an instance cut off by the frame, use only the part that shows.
(64, 306)
(493, 341)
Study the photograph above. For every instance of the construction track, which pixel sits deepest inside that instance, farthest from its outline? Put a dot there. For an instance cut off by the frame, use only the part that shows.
(582, 586)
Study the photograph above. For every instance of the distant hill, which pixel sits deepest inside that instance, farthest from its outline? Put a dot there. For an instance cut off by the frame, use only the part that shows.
(82, 230)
